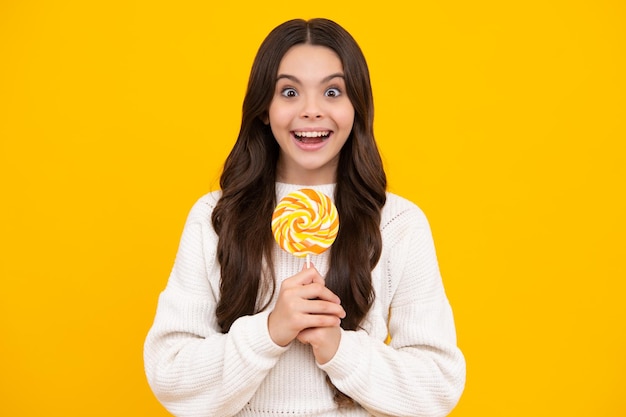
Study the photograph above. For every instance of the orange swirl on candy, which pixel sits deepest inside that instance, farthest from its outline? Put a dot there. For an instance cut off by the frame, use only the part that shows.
(305, 222)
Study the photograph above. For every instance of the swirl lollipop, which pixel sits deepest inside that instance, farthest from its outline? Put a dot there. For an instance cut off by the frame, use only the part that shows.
(305, 222)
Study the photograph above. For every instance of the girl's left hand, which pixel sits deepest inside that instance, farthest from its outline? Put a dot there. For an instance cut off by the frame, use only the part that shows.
(323, 340)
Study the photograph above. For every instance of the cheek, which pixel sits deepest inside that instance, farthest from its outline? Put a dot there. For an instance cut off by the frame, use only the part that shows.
(347, 118)
(279, 115)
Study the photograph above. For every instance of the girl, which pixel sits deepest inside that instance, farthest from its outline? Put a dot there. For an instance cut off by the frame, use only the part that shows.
(243, 328)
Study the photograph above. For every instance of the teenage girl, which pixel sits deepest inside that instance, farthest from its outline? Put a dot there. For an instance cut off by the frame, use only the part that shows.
(244, 328)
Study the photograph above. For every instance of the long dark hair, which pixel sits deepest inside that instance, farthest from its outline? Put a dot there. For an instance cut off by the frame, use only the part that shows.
(249, 176)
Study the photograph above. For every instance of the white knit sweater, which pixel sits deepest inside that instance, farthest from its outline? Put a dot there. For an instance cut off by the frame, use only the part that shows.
(195, 370)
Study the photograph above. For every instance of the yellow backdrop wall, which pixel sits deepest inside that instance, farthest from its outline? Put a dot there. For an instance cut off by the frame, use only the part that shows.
(504, 121)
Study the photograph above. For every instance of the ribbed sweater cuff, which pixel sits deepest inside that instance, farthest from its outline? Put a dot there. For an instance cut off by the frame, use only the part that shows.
(255, 334)
(342, 366)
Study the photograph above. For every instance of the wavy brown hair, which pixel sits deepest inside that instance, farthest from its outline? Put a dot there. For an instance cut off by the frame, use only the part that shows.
(249, 194)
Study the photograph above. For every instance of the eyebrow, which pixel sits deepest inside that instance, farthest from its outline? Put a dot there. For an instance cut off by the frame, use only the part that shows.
(324, 80)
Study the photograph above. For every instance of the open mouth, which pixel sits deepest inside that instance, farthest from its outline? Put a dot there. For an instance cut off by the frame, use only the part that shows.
(312, 136)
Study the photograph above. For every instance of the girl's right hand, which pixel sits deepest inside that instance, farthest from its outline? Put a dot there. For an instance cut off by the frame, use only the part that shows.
(303, 302)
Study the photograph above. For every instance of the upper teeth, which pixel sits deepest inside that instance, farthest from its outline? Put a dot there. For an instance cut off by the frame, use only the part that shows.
(311, 134)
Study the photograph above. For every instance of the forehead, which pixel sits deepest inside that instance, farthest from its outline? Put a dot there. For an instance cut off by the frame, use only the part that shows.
(306, 59)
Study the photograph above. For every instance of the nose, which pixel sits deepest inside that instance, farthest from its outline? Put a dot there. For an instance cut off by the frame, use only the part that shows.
(312, 109)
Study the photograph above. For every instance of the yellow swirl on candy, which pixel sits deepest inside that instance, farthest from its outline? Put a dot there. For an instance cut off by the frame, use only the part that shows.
(305, 222)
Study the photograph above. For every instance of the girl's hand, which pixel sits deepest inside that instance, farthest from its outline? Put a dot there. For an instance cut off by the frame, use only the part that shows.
(323, 340)
(303, 302)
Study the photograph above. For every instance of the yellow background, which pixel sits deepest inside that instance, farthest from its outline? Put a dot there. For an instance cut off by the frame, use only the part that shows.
(505, 121)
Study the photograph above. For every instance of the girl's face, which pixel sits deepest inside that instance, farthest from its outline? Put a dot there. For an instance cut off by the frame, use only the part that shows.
(310, 115)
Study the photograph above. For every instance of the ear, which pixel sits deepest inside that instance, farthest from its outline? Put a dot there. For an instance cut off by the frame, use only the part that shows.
(265, 118)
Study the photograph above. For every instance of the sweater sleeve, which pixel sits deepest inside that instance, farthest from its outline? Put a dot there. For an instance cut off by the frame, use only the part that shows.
(192, 367)
(422, 371)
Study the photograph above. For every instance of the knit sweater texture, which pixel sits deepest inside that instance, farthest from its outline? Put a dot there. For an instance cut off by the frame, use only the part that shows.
(196, 370)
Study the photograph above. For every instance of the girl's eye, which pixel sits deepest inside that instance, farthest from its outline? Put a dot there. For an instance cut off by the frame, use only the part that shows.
(333, 92)
(289, 92)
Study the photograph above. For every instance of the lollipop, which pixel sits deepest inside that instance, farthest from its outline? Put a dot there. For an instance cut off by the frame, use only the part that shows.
(305, 222)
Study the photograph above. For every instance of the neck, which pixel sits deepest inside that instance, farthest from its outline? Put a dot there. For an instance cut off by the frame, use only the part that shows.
(305, 177)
